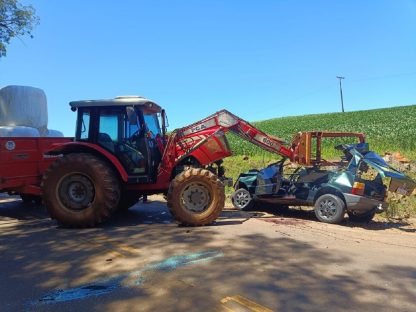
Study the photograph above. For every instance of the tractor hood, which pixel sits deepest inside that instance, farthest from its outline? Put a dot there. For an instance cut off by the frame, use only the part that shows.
(400, 183)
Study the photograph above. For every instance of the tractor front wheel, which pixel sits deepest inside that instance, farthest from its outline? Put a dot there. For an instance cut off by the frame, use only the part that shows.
(80, 190)
(196, 197)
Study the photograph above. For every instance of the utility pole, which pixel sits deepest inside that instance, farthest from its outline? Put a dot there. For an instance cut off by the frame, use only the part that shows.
(340, 90)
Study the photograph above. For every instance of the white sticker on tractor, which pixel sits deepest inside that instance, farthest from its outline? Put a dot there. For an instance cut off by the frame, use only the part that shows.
(10, 145)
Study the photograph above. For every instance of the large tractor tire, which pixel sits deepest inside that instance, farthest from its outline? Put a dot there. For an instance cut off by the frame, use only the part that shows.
(80, 190)
(196, 197)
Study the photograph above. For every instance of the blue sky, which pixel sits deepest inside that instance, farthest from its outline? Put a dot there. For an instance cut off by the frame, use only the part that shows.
(258, 59)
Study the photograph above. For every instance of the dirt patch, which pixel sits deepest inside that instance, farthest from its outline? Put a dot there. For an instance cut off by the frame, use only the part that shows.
(285, 221)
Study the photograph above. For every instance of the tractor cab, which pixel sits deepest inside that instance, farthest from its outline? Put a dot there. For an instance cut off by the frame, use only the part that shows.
(131, 128)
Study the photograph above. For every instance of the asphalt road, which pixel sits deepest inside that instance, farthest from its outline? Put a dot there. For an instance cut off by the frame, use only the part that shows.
(259, 261)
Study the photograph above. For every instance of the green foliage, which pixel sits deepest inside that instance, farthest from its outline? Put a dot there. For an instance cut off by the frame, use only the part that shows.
(401, 207)
(387, 130)
(15, 20)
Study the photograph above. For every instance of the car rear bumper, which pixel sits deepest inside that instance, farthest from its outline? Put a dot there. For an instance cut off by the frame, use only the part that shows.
(363, 204)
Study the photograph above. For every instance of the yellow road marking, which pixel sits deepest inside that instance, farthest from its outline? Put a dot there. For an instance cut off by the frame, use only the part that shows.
(253, 306)
(225, 308)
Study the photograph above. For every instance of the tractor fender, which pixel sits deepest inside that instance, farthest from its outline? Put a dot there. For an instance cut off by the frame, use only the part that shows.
(186, 163)
(82, 147)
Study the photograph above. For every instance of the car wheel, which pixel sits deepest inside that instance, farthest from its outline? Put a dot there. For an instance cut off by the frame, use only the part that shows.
(329, 208)
(242, 199)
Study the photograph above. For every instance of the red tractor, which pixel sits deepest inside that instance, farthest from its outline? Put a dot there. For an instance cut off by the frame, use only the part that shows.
(120, 152)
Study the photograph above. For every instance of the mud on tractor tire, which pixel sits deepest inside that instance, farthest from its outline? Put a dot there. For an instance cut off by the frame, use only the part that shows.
(196, 197)
(80, 190)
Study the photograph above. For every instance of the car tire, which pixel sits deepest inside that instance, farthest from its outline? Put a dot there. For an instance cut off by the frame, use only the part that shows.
(362, 217)
(330, 208)
(242, 199)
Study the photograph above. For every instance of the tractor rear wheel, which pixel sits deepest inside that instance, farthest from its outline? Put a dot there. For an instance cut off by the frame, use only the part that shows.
(196, 197)
(80, 190)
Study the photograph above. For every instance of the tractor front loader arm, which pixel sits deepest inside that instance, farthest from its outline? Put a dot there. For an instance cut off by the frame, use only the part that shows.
(205, 140)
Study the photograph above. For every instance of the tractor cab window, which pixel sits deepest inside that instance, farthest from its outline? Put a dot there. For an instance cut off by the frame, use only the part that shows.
(153, 137)
(109, 129)
(109, 126)
(152, 123)
(132, 150)
(85, 125)
(132, 124)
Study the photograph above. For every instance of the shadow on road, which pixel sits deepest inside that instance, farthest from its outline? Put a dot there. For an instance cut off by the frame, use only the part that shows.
(307, 214)
(282, 273)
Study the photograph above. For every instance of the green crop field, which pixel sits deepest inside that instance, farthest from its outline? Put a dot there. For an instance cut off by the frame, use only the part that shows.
(387, 130)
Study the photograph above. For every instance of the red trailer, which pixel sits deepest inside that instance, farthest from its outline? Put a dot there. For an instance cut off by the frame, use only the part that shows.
(22, 164)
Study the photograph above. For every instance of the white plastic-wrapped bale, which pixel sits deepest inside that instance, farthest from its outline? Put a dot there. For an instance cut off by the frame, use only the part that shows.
(18, 132)
(54, 134)
(23, 106)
